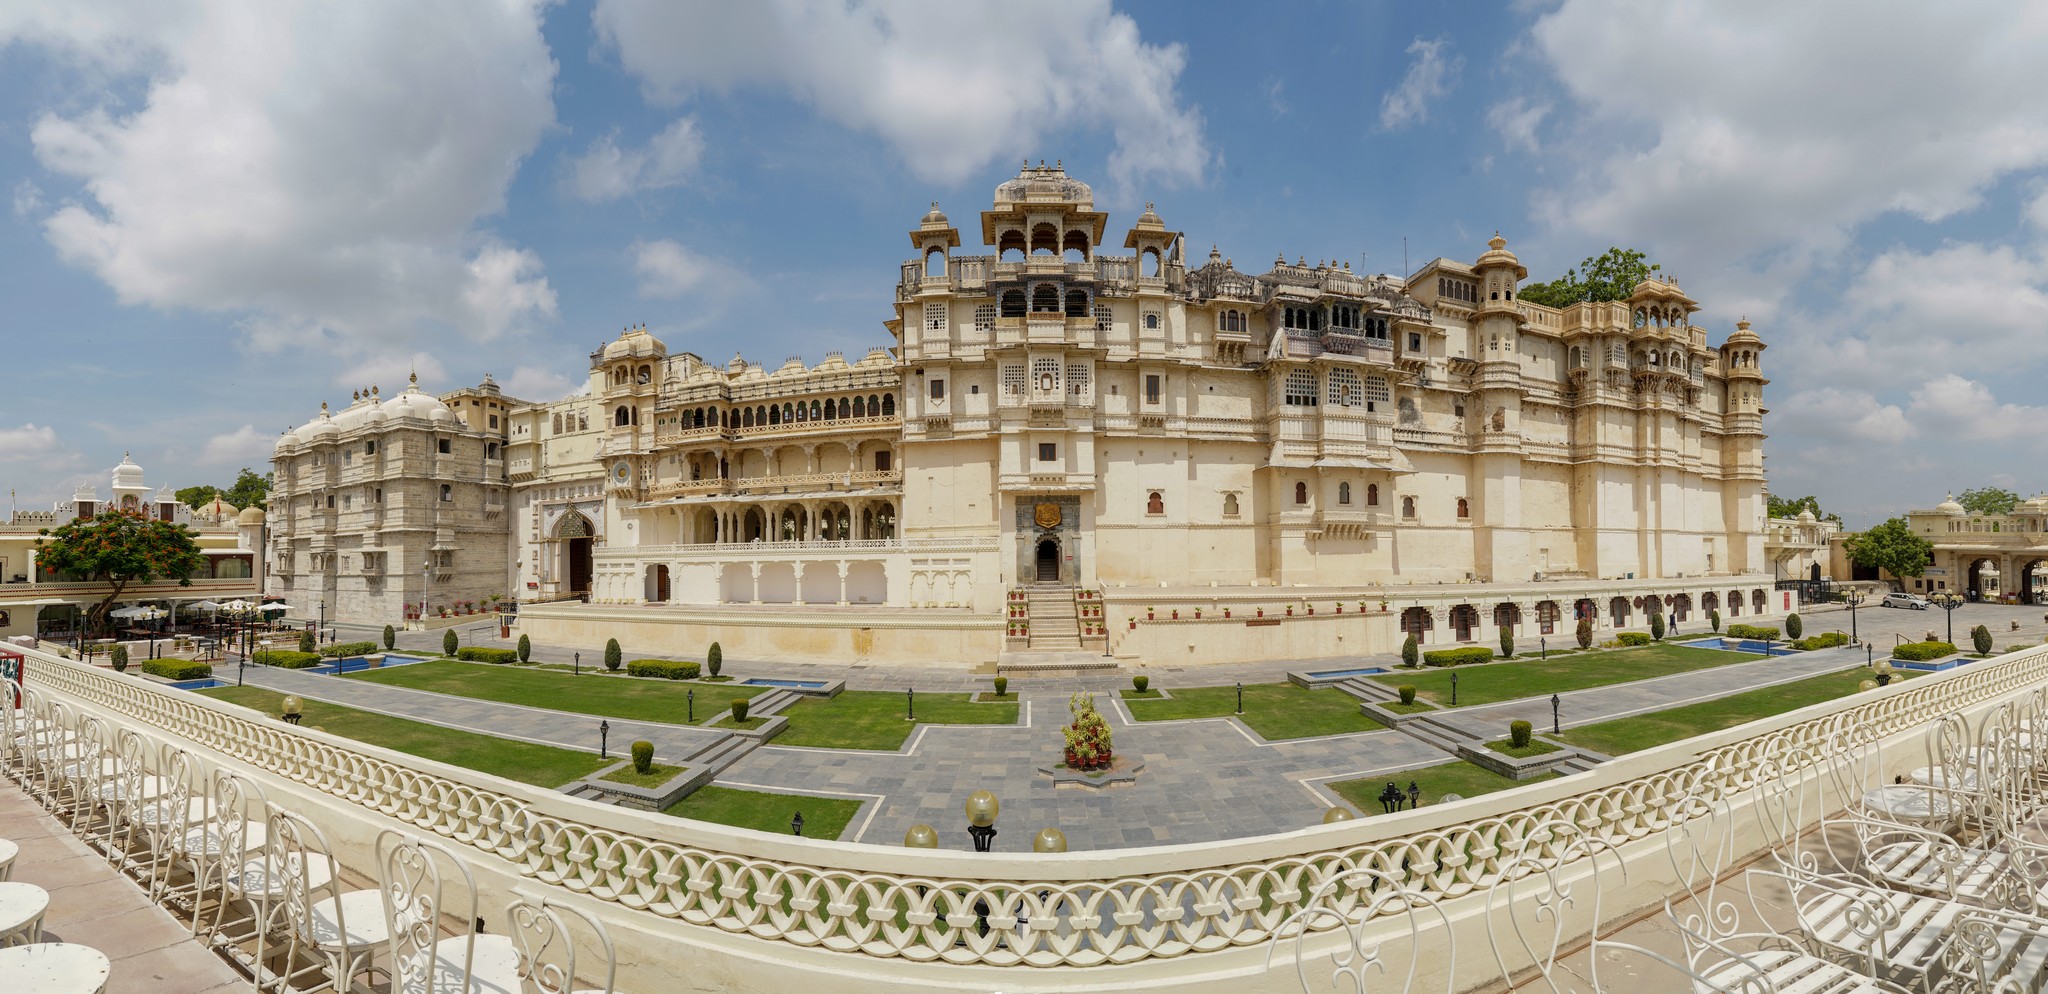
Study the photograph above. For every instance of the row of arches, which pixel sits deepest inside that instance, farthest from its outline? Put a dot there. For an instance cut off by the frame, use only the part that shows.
(1462, 620)
(1045, 239)
(865, 520)
(626, 375)
(790, 412)
(1660, 317)
(1046, 298)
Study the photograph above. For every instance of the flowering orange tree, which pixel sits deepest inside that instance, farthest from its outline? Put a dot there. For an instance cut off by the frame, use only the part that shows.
(119, 549)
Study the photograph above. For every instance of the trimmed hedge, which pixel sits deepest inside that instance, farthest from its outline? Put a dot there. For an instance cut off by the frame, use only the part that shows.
(1457, 657)
(643, 756)
(176, 669)
(1757, 632)
(1920, 652)
(284, 659)
(673, 669)
(1519, 733)
(340, 649)
(1633, 638)
(480, 654)
(1825, 640)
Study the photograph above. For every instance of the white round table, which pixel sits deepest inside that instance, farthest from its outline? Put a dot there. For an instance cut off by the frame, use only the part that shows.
(21, 913)
(55, 968)
(1939, 776)
(1909, 804)
(8, 850)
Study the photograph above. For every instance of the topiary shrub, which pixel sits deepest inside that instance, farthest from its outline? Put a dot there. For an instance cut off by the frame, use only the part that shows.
(714, 658)
(449, 642)
(283, 659)
(1824, 640)
(1757, 632)
(671, 669)
(643, 756)
(1632, 638)
(1920, 652)
(390, 638)
(341, 649)
(1657, 627)
(1407, 694)
(119, 658)
(612, 655)
(1980, 640)
(525, 649)
(176, 669)
(1140, 682)
(1411, 654)
(1714, 619)
(1002, 686)
(1518, 734)
(306, 642)
(1584, 633)
(1507, 642)
(481, 654)
(1458, 657)
(739, 709)
(1794, 627)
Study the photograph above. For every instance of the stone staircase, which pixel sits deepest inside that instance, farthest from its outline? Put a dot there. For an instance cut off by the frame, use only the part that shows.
(1055, 626)
(702, 765)
(1445, 730)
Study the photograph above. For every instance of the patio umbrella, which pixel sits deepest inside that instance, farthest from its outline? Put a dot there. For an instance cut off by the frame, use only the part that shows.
(206, 606)
(127, 612)
(274, 608)
(236, 605)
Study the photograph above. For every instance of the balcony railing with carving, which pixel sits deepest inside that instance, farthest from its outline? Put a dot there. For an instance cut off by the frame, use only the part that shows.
(859, 480)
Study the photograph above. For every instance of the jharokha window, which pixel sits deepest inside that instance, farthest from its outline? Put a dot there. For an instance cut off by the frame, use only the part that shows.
(1155, 504)
(1464, 509)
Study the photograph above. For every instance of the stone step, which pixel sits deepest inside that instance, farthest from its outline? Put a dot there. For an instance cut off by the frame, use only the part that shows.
(1369, 690)
(1028, 661)
(773, 702)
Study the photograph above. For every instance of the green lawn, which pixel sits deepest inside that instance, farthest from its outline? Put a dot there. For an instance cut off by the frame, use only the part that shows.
(824, 817)
(1536, 747)
(873, 719)
(1491, 683)
(1461, 778)
(542, 766)
(609, 696)
(1274, 710)
(656, 775)
(1624, 735)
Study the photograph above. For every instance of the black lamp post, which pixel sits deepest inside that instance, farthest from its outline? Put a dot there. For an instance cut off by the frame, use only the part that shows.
(604, 731)
(1556, 702)
(1853, 598)
(576, 664)
(1414, 795)
(1240, 697)
(1948, 601)
(1454, 688)
(320, 633)
(1390, 798)
(690, 701)
(982, 808)
(796, 824)
(909, 704)
(1542, 649)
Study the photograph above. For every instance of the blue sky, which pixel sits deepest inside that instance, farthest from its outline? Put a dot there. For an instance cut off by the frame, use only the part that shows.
(221, 215)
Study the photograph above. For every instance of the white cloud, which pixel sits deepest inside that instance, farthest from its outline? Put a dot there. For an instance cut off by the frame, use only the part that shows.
(607, 172)
(1720, 132)
(28, 198)
(392, 373)
(668, 270)
(951, 87)
(533, 383)
(2037, 210)
(30, 441)
(1960, 307)
(1516, 121)
(1429, 76)
(1275, 92)
(1854, 415)
(1954, 403)
(318, 171)
(245, 446)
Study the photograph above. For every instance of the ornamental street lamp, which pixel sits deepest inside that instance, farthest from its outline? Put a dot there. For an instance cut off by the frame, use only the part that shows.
(604, 731)
(1542, 649)
(982, 808)
(1556, 702)
(293, 709)
(1949, 600)
(921, 836)
(1454, 688)
(796, 824)
(1883, 669)
(1414, 795)
(320, 634)
(1240, 697)
(576, 664)
(909, 704)
(690, 701)
(1853, 598)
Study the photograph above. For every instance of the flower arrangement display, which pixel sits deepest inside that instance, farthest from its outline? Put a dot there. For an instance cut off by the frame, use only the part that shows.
(1088, 739)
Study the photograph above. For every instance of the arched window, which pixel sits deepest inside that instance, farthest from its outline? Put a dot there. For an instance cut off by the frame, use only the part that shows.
(1151, 322)
(888, 404)
(816, 410)
(788, 414)
(1077, 303)
(1464, 509)
(747, 417)
(802, 412)
(774, 415)
(935, 262)
(1372, 495)
(558, 422)
(1045, 298)
(1230, 505)
(1407, 507)
(622, 417)
(1150, 262)
(643, 374)
(1301, 493)
(447, 493)
(831, 408)
(1343, 493)
(1155, 504)
(860, 407)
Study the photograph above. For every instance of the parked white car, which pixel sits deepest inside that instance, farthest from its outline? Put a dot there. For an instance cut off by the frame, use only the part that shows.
(1914, 601)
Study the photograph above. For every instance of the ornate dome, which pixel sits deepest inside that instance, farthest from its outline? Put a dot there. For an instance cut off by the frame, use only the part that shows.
(1497, 254)
(1948, 506)
(1743, 334)
(934, 217)
(286, 440)
(1042, 182)
(127, 474)
(635, 341)
(251, 515)
(1806, 517)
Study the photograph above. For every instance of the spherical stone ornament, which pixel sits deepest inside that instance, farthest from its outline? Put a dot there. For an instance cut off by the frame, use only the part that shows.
(1337, 814)
(1867, 685)
(921, 837)
(982, 808)
(1049, 839)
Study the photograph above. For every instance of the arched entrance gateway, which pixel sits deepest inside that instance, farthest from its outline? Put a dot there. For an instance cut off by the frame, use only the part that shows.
(573, 538)
(1048, 560)
(1983, 580)
(2030, 582)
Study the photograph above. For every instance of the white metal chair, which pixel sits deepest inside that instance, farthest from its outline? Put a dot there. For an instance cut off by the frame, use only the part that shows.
(547, 947)
(1355, 901)
(337, 932)
(422, 880)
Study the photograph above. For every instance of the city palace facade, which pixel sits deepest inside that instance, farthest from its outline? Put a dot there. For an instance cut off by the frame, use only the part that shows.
(1069, 447)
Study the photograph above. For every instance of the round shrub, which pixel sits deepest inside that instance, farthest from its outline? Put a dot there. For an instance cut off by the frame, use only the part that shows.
(525, 648)
(1407, 694)
(1584, 633)
(1793, 626)
(390, 638)
(1411, 654)
(714, 658)
(1002, 685)
(449, 642)
(739, 709)
(612, 655)
(306, 643)
(1980, 639)
(1518, 734)
(643, 756)
(1657, 627)
(120, 659)
(1140, 682)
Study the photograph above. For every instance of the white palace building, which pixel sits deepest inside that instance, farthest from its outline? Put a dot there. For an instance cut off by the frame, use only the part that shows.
(1070, 449)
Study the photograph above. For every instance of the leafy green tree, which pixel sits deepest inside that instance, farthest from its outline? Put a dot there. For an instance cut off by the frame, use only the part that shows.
(1781, 507)
(1987, 500)
(1891, 546)
(1411, 654)
(613, 656)
(1507, 642)
(306, 643)
(1657, 626)
(1714, 619)
(1794, 627)
(714, 658)
(391, 638)
(1611, 275)
(1980, 639)
(195, 497)
(248, 489)
(120, 550)
(119, 657)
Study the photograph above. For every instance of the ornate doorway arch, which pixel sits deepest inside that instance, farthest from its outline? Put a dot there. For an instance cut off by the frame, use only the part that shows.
(573, 536)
